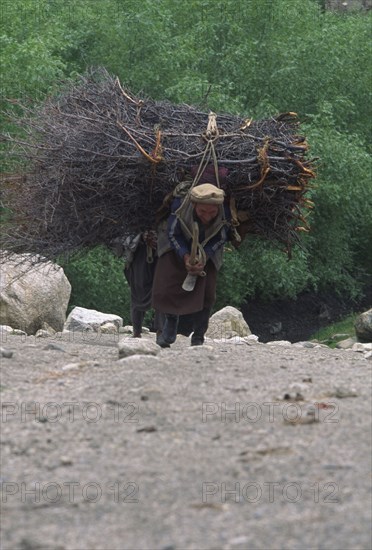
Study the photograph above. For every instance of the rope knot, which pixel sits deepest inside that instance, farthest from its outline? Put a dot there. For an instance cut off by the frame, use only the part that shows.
(211, 133)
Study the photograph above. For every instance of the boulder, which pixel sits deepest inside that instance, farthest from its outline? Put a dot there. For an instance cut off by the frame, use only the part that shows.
(137, 346)
(81, 320)
(362, 348)
(346, 344)
(363, 326)
(227, 323)
(5, 331)
(32, 293)
(109, 328)
(128, 329)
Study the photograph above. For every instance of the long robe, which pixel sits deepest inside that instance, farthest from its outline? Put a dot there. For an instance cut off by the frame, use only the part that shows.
(168, 294)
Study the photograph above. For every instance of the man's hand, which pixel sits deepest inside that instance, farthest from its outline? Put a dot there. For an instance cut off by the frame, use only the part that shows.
(193, 269)
(150, 238)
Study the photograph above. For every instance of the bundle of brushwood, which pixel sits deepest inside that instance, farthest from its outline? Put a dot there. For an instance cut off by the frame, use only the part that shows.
(101, 161)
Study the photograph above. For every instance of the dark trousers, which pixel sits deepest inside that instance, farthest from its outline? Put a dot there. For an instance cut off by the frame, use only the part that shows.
(200, 324)
(200, 321)
(137, 317)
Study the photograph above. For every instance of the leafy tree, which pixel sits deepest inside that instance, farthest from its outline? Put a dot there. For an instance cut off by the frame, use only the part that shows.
(339, 250)
(255, 58)
(259, 268)
(98, 282)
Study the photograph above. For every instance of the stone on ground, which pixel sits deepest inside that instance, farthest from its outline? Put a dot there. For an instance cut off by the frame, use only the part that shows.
(32, 294)
(137, 346)
(227, 323)
(82, 319)
(363, 326)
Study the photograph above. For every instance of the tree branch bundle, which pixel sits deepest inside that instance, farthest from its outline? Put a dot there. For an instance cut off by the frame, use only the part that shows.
(101, 162)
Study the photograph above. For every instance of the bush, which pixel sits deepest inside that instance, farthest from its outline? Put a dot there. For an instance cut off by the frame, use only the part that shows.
(260, 268)
(339, 254)
(98, 282)
(256, 58)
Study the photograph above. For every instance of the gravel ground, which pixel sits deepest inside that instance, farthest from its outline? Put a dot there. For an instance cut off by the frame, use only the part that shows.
(195, 448)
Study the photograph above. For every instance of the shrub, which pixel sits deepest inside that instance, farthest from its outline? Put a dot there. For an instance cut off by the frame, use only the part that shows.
(260, 268)
(98, 282)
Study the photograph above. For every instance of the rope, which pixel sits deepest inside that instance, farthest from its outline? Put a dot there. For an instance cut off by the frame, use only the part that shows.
(149, 255)
(215, 162)
(210, 136)
(197, 251)
(211, 133)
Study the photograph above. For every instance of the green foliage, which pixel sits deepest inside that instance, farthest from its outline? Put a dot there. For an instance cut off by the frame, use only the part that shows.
(98, 282)
(256, 58)
(339, 245)
(332, 334)
(30, 62)
(259, 268)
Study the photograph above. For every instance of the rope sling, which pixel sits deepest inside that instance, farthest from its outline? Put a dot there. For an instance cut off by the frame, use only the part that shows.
(211, 135)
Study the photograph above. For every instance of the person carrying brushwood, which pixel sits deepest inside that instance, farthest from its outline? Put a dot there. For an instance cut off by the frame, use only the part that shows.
(140, 256)
(190, 250)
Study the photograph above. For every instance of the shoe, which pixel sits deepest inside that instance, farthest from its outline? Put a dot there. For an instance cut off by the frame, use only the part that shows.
(169, 333)
(200, 326)
(197, 340)
(137, 335)
(161, 342)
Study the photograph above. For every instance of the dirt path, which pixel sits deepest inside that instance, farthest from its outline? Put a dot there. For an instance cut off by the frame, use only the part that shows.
(191, 449)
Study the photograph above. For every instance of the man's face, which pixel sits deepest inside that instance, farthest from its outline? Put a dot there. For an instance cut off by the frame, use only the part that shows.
(206, 212)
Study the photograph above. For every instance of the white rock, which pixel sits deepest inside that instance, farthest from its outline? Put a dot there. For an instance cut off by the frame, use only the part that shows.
(48, 328)
(137, 346)
(108, 328)
(42, 334)
(6, 329)
(32, 293)
(147, 360)
(18, 332)
(128, 329)
(80, 365)
(339, 336)
(82, 319)
(341, 392)
(304, 345)
(363, 326)
(227, 323)
(346, 344)
(234, 340)
(358, 346)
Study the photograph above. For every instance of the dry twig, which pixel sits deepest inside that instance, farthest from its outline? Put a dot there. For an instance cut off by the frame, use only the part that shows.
(102, 161)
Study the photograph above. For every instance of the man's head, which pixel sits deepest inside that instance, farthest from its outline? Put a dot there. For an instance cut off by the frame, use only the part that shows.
(206, 199)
